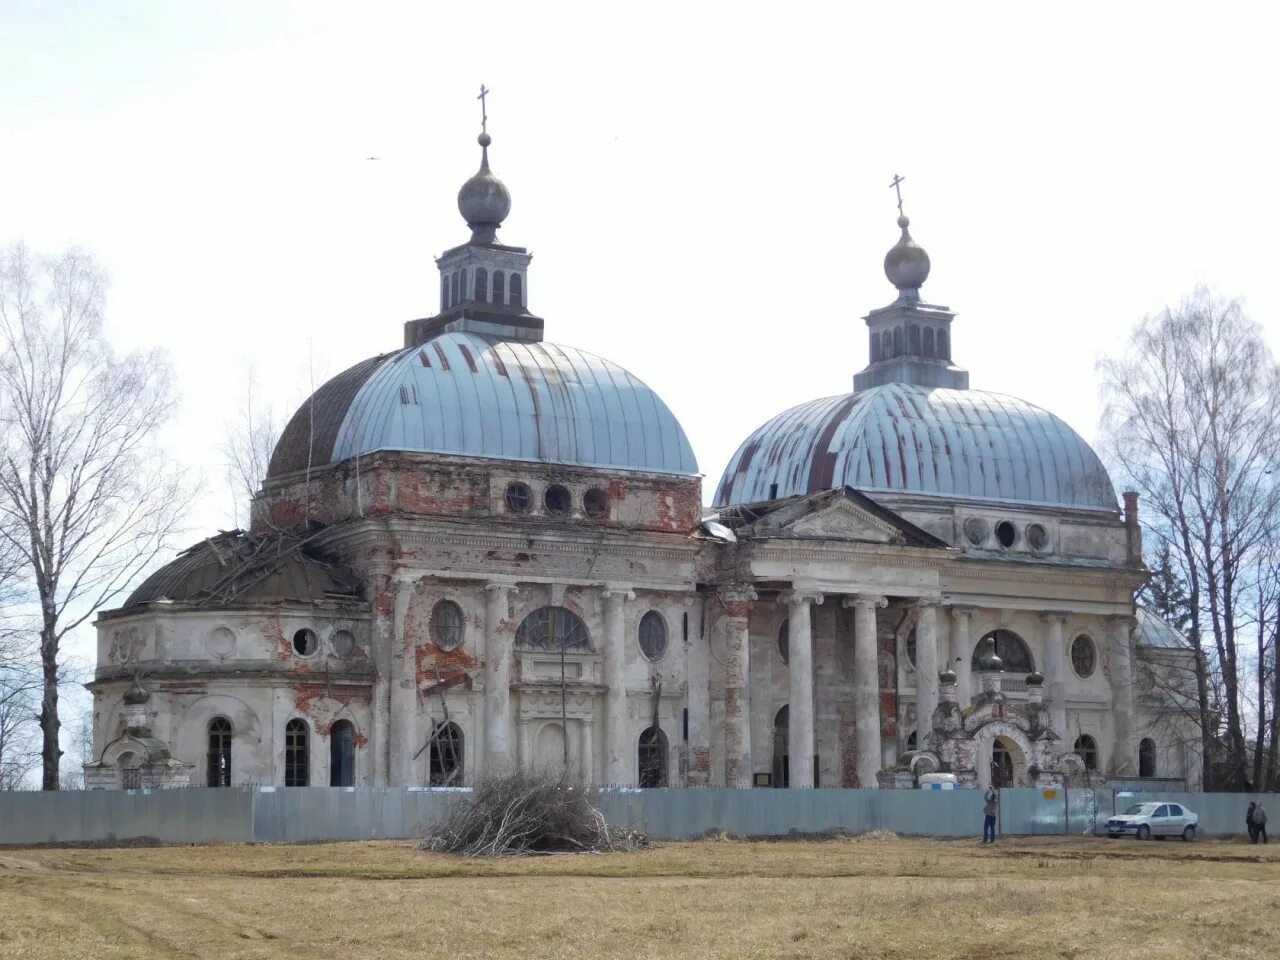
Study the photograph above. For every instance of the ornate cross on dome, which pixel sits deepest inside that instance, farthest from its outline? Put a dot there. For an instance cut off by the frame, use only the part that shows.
(898, 190)
(484, 116)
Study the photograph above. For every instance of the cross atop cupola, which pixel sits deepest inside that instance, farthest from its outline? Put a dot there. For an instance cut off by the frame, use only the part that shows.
(910, 340)
(483, 283)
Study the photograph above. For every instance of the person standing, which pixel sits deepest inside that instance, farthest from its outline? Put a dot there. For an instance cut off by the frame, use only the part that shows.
(1259, 823)
(989, 809)
(1248, 822)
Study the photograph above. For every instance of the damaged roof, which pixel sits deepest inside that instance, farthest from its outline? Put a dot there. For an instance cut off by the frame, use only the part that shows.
(236, 566)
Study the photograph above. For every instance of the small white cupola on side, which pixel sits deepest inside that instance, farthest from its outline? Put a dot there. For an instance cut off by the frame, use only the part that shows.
(484, 285)
(910, 340)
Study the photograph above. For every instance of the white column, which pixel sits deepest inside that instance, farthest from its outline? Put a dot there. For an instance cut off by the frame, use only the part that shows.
(383, 638)
(1124, 721)
(586, 752)
(962, 653)
(617, 742)
(800, 676)
(404, 691)
(735, 608)
(524, 749)
(926, 669)
(1055, 669)
(497, 676)
(698, 653)
(866, 687)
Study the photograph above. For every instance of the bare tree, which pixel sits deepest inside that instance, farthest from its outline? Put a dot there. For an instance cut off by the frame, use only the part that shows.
(86, 499)
(1190, 414)
(250, 438)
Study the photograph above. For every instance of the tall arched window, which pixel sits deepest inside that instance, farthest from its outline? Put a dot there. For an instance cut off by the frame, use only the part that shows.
(482, 285)
(444, 763)
(913, 340)
(897, 341)
(944, 348)
(444, 291)
(875, 346)
(1087, 747)
(1147, 758)
(781, 765)
(499, 287)
(342, 754)
(1001, 765)
(464, 287)
(1009, 647)
(297, 761)
(653, 758)
(886, 345)
(552, 628)
(928, 341)
(219, 774)
(457, 288)
(516, 293)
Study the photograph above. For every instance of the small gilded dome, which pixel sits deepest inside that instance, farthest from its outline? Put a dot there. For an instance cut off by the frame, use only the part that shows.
(484, 200)
(906, 264)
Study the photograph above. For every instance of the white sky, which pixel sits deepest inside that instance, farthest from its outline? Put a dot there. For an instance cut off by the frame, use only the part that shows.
(704, 186)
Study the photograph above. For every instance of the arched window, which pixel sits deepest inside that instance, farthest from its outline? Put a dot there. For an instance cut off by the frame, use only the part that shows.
(653, 758)
(913, 340)
(219, 774)
(886, 345)
(784, 641)
(482, 284)
(457, 288)
(781, 764)
(875, 346)
(928, 341)
(1147, 758)
(653, 635)
(445, 761)
(944, 348)
(897, 341)
(342, 754)
(444, 291)
(446, 625)
(1009, 647)
(297, 762)
(516, 293)
(499, 287)
(130, 771)
(1087, 747)
(464, 287)
(553, 629)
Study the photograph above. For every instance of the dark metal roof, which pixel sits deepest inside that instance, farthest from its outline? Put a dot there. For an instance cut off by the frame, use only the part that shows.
(235, 566)
(961, 444)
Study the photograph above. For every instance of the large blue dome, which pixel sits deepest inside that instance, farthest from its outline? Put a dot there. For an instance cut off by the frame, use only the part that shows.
(465, 394)
(956, 444)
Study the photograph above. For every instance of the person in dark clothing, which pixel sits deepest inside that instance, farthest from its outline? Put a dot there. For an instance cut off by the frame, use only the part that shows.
(1248, 822)
(989, 809)
(1259, 823)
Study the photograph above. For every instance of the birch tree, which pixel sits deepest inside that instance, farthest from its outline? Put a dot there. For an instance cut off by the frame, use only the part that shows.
(1189, 418)
(87, 501)
(250, 438)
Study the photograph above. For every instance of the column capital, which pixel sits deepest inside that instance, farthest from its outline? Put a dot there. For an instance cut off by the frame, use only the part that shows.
(962, 610)
(865, 600)
(501, 587)
(737, 593)
(801, 595)
(1049, 616)
(617, 592)
(927, 602)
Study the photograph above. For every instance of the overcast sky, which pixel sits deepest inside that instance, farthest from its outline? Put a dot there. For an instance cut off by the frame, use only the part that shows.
(705, 188)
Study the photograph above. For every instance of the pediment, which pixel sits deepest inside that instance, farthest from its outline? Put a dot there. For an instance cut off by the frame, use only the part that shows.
(842, 520)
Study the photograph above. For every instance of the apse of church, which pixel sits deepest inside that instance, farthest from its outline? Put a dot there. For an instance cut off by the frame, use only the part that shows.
(486, 550)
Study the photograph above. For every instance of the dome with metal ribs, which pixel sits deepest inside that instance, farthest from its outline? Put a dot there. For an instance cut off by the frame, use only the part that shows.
(955, 444)
(470, 395)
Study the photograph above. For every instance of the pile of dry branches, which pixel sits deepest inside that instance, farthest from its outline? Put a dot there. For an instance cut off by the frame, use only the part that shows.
(523, 813)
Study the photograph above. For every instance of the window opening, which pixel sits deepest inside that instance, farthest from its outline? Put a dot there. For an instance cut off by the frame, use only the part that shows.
(516, 294)
(653, 635)
(499, 287)
(1084, 657)
(219, 757)
(1001, 765)
(1087, 747)
(781, 762)
(343, 643)
(1009, 647)
(557, 499)
(297, 767)
(342, 754)
(1147, 758)
(482, 284)
(653, 758)
(518, 497)
(595, 502)
(445, 755)
(784, 641)
(305, 642)
(446, 625)
(552, 629)
(1006, 533)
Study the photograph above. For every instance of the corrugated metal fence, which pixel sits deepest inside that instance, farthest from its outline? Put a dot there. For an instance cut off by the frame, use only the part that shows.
(293, 815)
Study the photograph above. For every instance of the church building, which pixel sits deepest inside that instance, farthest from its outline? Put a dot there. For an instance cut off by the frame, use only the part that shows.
(484, 549)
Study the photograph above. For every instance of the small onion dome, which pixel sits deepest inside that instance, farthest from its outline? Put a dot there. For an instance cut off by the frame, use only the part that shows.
(991, 663)
(137, 694)
(1035, 679)
(484, 200)
(947, 678)
(906, 264)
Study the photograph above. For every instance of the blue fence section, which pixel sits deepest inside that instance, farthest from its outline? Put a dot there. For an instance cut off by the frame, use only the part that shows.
(310, 814)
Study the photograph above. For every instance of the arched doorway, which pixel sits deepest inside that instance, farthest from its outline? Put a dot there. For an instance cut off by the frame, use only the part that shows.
(1002, 757)
(1001, 764)
(652, 758)
(781, 767)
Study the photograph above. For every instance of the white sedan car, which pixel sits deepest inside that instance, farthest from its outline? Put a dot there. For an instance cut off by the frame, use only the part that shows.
(1159, 820)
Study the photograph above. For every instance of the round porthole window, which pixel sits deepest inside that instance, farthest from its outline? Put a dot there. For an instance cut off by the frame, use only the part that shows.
(653, 635)
(343, 643)
(446, 625)
(595, 502)
(1037, 537)
(305, 642)
(976, 531)
(1006, 533)
(518, 497)
(1084, 656)
(557, 499)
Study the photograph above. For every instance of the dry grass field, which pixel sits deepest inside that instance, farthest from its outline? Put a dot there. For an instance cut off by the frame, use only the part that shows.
(864, 898)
